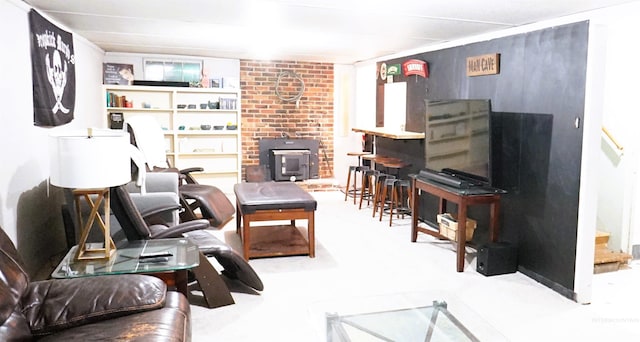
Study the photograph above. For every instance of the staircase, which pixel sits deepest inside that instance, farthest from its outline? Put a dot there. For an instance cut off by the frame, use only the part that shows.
(606, 260)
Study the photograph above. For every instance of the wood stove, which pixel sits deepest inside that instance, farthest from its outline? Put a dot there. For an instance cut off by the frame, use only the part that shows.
(290, 159)
(290, 165)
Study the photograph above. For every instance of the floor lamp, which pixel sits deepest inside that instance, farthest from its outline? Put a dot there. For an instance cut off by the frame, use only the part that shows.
(90, 162)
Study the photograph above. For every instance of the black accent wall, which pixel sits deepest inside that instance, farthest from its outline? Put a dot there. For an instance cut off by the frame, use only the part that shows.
(536, 156)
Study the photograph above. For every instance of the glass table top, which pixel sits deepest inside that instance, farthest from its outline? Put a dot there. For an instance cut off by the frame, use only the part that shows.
(427, 323)
(427, 315)
(180, 254)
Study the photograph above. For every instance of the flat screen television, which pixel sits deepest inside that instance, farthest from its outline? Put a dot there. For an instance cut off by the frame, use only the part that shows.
(458, 138)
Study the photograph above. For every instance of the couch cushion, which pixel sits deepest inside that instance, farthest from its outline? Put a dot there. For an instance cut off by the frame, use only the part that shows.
(53, 305)
(252, 197)
(170, 323)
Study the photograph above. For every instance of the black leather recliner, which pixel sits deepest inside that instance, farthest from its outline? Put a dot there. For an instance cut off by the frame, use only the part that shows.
(199, 201)
(105, 308)
(134, 226)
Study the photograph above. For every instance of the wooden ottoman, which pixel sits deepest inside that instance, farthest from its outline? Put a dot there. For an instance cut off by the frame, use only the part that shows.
(273, 201)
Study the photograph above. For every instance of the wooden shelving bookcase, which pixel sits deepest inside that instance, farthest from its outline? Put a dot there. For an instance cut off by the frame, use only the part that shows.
(216, 150)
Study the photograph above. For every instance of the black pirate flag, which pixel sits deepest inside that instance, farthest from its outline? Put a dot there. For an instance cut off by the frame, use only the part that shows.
(54, 72)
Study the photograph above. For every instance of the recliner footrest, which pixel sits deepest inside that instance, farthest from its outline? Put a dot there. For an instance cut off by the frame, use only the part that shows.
(213, 203)
(235, 267)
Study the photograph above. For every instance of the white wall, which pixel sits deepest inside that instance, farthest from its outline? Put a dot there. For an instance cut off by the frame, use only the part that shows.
(343, 117)
(16, 116)
(28, 212)
(588, 201)
(354, 107)
(619, 198)
(365, 95)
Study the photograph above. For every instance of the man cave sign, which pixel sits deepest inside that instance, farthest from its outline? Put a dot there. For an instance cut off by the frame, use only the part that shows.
(54, 75)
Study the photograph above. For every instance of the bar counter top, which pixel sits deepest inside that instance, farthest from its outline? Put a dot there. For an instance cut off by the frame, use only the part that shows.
(390, 133)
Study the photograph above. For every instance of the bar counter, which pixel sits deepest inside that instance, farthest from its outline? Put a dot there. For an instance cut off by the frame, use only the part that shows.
(390, 133)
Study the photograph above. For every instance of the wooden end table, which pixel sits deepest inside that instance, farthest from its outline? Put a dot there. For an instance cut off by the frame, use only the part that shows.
(463, 198)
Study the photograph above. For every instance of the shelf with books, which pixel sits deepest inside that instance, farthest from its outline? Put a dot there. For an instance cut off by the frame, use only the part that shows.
(196, 123)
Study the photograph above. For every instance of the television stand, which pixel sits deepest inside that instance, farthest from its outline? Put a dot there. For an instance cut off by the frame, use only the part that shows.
(463, 198)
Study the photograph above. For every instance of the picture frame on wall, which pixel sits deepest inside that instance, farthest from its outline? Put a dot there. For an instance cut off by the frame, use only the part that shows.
(230, 83)
(215, 82)
(114, 73)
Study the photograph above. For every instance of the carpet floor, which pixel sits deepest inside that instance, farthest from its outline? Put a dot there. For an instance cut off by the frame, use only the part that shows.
(362, 263)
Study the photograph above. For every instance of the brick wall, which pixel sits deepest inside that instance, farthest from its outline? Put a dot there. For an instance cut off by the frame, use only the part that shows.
(265, 115)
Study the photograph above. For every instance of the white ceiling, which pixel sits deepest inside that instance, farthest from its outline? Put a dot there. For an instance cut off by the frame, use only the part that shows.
(337, 31)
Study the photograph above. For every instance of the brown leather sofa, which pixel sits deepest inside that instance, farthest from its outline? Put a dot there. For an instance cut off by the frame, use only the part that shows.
(107, 308)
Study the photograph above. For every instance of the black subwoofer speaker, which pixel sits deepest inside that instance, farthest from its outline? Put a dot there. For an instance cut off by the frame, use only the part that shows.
(497, 258)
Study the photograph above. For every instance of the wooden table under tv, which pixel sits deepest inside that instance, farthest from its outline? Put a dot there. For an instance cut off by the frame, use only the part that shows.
(463, 198)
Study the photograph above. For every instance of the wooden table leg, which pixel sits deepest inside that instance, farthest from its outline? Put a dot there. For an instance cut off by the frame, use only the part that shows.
(246, 237)
(182, 282)
(462, 235)
(311, 234)
(442, 206)
(493, 221)
(238, 218)
(177, 278)
(414, 212)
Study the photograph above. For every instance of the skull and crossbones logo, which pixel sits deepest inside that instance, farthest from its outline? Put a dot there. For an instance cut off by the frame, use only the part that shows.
(57, 75)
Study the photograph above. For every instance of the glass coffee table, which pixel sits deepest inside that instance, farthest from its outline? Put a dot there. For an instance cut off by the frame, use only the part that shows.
(168, 259)
(427, 323)
(409, 316)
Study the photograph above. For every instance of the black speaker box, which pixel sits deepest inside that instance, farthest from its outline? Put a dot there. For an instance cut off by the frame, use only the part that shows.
(497, 258)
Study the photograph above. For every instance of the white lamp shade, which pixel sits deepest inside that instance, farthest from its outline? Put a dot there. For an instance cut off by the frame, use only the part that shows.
(90, 159)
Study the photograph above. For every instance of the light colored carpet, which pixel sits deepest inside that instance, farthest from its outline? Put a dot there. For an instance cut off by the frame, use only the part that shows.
(360, 261)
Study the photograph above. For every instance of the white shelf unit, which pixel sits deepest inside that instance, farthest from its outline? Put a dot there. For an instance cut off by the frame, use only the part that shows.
(218, 149)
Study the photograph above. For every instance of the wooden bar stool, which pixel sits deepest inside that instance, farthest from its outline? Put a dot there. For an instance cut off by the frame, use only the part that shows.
(395, 166)
(393, 193)
(359, 155)
(378, 160)
(369, 158)
(355, 170)
(400, 199)
(368, 184)
(378, 192)
(385, 200)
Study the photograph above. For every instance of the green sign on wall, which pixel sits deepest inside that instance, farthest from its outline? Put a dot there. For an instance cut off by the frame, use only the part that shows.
(393, 69)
